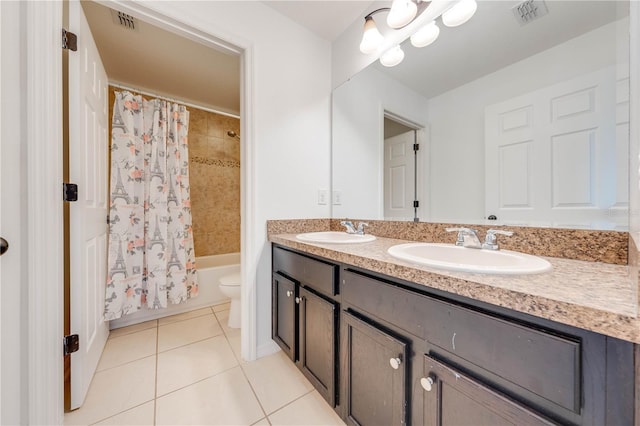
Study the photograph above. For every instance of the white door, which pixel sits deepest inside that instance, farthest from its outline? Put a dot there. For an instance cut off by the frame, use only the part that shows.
(12, 225)
(399, 177)
(88, 157)
(552, 154)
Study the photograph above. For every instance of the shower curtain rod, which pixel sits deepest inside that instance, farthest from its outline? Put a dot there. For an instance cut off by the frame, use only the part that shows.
(165, 98)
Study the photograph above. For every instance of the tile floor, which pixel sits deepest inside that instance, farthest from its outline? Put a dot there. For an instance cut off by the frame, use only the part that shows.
(186, 370)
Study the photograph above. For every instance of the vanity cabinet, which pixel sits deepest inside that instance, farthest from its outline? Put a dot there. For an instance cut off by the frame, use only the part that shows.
(413, 355)
(305, 317)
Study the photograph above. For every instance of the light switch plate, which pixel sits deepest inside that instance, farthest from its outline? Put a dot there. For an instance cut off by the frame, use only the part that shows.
(337, 198)
(323, 196)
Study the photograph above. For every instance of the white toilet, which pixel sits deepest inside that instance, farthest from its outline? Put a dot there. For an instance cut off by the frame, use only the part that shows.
(230, 286)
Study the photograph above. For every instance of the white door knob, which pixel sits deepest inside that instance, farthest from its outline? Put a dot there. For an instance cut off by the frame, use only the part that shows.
(289, 293)
(395, 363)
(427, 383)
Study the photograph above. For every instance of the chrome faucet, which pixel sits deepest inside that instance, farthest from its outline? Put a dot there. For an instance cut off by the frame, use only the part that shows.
(361, 226)
(349, 225)
(351, 229)
(491, 241)
(466, 237)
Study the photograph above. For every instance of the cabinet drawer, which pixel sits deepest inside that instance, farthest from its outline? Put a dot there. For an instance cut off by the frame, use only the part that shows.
(544, 364)
(321, 276)
(528, 361)
(402, 308)
(452, 398)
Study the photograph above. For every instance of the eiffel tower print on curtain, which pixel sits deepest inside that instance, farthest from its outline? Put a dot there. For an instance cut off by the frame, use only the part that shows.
(174, 261)
(156, 170)
(119, 266)
(157, 238)
(119, 191)
(171, 196)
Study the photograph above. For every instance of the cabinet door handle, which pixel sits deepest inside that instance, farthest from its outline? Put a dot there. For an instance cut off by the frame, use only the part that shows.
(299, 299)
(289, 293)
(395, 363)
(427, 383)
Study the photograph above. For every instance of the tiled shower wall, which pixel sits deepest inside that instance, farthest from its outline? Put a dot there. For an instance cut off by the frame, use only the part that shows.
(214, 164)
(214, 167)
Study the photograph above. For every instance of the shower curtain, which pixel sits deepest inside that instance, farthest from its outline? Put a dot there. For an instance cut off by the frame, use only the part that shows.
(151, 258)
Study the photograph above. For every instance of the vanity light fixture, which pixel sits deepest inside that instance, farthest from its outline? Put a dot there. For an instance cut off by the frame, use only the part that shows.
(401, 13)
(459, 13)
(392, 57)
(404, 12)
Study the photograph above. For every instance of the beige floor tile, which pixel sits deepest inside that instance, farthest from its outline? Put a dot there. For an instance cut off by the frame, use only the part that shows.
(221, 307)
(262, 422)
(188, 364)
(184, 316)
(311, 409)
(133, 328)
(188, 331)
(225, 399)
(223, 319)
(116, 390)
(141, 415)
(127, 348)
(276, 381)
(235, 342)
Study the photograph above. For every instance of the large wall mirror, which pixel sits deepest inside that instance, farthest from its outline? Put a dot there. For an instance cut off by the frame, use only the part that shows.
(515, 123)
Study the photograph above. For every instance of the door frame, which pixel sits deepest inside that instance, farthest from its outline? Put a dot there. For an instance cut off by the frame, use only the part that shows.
(40, 97)
(248, 228)
(422, 160)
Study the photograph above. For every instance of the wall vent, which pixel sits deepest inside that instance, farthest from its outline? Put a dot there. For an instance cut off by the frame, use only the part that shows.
(529, 10)
(123, 20)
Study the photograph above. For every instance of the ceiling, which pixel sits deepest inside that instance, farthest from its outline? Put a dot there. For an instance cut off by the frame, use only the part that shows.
(160, 62)
(493, 39)
(150, 59)
(328, 18)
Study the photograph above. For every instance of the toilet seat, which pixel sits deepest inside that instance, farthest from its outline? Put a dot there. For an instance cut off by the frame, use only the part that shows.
(231, 280)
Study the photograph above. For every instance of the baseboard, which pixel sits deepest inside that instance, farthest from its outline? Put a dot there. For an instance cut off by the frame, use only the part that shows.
(268, 348)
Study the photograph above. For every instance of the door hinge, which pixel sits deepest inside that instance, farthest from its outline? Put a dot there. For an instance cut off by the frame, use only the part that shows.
(71, 344)
(416, 204)
(69, 40)
(69, 192)
(416, 146)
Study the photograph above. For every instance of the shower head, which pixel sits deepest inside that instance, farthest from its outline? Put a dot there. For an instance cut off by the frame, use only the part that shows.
(233, 134)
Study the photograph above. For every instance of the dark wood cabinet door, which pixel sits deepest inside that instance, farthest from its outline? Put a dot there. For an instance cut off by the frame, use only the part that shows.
(453, 399)
(317, 342)
(283, 321)
(375, 364)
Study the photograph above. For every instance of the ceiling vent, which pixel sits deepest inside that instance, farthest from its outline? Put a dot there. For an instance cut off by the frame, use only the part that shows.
(529, 10)
(123, 20)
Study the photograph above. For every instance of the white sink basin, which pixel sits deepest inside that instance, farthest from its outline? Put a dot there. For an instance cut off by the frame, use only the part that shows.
(335, 237)
(456, 258)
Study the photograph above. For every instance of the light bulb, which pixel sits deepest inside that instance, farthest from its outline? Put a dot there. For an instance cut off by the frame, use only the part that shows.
(371, 37)
(392, 57)
(425, 35)
(460, 13)
(402, 12)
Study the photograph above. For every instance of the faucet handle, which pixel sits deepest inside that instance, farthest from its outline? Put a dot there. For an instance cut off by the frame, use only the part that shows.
(361, 226)
(491, 241)
(461, 233)
(349, 225)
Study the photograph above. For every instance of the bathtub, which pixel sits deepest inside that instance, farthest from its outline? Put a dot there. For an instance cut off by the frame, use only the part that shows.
(209, 270)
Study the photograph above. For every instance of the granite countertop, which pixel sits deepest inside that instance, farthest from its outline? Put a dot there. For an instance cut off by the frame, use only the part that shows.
(594, 296)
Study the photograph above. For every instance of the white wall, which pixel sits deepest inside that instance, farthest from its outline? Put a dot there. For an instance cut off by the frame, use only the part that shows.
(457, 119)
(358, 112)
(289, 121)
